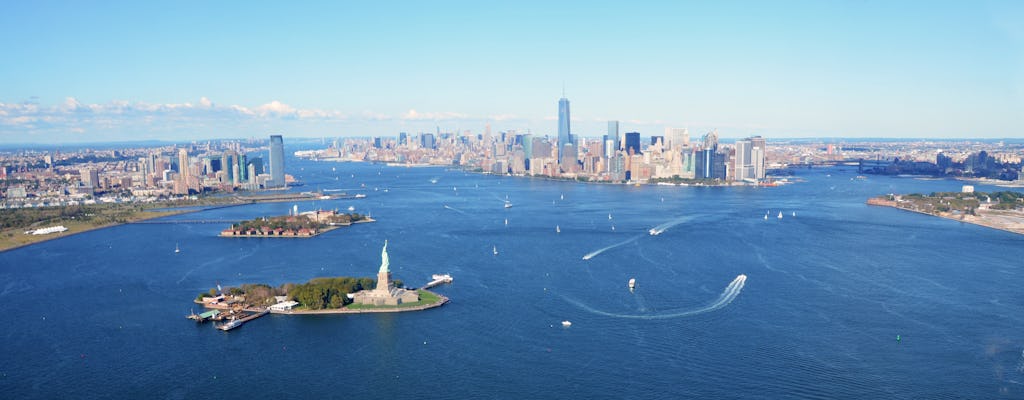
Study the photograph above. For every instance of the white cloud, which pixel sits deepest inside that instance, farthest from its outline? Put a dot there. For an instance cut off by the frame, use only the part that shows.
(413, 115)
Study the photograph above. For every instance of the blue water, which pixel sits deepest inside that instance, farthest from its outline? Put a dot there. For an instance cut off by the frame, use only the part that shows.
(101, 314)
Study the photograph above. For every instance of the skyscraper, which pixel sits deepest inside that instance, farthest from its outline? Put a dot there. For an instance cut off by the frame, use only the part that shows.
(632, 145)
(276, 161)
(563, 127)
(613, 134)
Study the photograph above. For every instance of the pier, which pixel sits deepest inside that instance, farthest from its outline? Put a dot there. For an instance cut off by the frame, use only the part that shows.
(438, 279)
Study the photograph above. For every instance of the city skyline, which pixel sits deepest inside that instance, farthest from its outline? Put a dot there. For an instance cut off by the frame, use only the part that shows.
(111, 72)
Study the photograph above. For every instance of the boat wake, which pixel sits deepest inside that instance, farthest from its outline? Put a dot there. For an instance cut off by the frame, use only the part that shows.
(728, 295)
(657, 230)
(604, 249)
(447, 207)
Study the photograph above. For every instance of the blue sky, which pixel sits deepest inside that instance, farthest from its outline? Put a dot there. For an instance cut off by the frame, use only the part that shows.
(79, 71)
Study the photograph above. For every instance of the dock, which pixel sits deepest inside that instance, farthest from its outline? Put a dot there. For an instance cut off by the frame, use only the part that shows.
(437, 280)
(238, 322)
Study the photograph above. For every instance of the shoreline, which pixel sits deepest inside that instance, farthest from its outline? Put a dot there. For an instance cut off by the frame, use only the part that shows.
(973, 220)
(442, 300)
(47, 238)
(148, 215)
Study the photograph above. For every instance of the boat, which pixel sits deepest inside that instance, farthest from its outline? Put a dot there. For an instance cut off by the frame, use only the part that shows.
(609, 216)
(566, 323)
(766, 216)
(360, 196)
(780, 214)
(232, 324)
(632, 283)
(176, 248)
(508, 204)
(654, 232)
(561, 197)
(558, 229)
(794, 213)
(506, 221)
(351, 208)
(495, 250)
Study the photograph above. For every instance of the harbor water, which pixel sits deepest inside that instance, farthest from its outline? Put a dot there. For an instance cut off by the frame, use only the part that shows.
(727, 304)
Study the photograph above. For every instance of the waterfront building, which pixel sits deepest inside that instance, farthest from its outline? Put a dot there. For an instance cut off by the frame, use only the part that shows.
(563, 127)
(276, 161)
(744, 164)
(385, 293)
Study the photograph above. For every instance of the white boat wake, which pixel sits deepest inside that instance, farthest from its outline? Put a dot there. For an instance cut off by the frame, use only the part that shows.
(657, 230)
(728, 295)
(604, 249)
(454, 209)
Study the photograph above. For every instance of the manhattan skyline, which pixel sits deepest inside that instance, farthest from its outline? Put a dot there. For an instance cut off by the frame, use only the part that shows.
(175, 71)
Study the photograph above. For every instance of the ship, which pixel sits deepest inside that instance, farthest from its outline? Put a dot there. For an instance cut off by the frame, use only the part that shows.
(632, 283)
(232, 324)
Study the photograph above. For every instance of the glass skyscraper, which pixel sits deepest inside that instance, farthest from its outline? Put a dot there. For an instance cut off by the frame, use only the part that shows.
(563, 127)
(276, 161)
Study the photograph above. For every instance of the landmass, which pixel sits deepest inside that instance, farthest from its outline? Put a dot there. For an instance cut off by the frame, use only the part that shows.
(318, 296)
(304, 225)
(999, 210)
(78, 217)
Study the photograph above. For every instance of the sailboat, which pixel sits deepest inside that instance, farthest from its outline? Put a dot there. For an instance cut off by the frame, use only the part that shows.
(766, 216)
(508, 204)
(632, 283)
(495, 250)
(558, 229)
(780, 214)
(609, 216)
(794, 213)
(506, 221)
(176, 248)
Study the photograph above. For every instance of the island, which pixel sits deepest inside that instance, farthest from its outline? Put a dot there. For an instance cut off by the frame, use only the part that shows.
(999, 210)
(334, 295)
(297, 225)
(23, 226)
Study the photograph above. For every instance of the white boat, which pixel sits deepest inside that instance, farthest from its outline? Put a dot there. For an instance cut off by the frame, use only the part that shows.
(561, 197)
(495, 250)
(232, 324)
(558, 229)
(632, 283)
(351, 208)
(506, 221)
(508, 204)
(794, 213)
(654, 232)
(766, 216)
(609, 216)
(176, 249)
(360, 196)
(780, 214)
(566, 323)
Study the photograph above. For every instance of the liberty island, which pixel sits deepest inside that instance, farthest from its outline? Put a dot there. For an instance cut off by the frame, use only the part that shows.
(386, 296)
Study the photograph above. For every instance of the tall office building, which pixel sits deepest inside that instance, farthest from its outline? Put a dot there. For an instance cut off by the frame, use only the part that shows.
(276, 161)
(757, 154)
(613, 134)
(632, 145)
(563, 127)
(744, 163)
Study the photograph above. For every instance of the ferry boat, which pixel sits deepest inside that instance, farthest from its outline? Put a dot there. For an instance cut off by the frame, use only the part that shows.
(232, 324)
